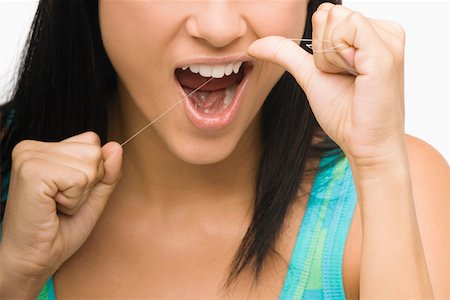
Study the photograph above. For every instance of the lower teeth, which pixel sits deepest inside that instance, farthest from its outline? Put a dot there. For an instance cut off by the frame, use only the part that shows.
(229, 94)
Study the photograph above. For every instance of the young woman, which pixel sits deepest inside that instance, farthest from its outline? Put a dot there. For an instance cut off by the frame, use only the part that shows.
(261, 185)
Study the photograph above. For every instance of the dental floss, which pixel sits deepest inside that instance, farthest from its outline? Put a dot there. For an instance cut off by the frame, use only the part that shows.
(161, 115)
(209, 80)
(173, 106)
(309, 45)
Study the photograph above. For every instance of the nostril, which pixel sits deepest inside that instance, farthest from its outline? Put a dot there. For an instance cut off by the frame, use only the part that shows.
(217, 29)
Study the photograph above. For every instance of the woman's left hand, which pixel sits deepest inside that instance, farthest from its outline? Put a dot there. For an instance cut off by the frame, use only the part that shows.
(356, 91)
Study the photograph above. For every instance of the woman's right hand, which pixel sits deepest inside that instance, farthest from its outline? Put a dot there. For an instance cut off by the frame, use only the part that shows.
(56, 195)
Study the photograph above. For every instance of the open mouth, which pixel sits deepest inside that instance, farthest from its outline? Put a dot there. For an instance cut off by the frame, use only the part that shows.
(214, 104)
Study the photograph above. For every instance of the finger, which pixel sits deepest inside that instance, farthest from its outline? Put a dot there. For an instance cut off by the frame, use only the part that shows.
(92, 170)
(112, 154)
(89, 137)
(287, 54)
(320, 42)
(325, 6)
(371, 56)
(25, 145)
(34, 185)
(319, 20)
(68, 198)
(393, 35)
(334, 60)
(390, 32)
(89, 153)
(85, 138)
(82, 223)
(66, 184)
(70, 203)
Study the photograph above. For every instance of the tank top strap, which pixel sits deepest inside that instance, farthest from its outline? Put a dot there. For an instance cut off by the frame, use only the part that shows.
(315, 268)
(48, 292)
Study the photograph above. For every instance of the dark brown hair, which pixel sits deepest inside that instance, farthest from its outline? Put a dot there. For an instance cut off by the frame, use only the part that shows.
(60, 92)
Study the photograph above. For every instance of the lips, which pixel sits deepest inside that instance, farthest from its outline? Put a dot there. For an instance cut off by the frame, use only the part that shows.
(215, 105)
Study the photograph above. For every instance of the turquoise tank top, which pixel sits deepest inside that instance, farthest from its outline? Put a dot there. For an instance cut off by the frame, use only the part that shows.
(315, 267)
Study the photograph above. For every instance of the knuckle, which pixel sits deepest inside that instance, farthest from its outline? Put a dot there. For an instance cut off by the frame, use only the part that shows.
(96, 154)
(398, 31)
(23, 156)
(92, 156)
(22, 146)
(92, 138)
(319, 17)
(29, 168)
(325, 6)
(91, 175)
(70, 204)
(355, 17)
(337, 12)
(80, 180)
(25, 150)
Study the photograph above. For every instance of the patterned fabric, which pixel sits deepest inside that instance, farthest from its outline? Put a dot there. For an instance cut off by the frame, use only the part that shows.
(315, 268)
(4, 191)
(48, 292)
(5, 180)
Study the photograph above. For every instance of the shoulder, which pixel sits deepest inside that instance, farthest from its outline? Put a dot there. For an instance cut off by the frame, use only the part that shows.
(424, 153)
(429, 172)
(430, 175)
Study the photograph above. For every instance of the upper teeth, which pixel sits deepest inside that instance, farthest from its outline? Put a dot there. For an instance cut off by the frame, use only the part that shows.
(215, 71)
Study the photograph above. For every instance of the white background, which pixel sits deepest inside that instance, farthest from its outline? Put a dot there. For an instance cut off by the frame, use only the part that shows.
(427, 81)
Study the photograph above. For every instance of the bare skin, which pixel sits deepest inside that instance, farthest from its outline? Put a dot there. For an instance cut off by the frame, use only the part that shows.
(376, 148)
(403, 211)
(158, 252)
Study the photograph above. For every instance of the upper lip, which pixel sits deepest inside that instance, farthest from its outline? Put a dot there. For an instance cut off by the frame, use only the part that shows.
(210, 60)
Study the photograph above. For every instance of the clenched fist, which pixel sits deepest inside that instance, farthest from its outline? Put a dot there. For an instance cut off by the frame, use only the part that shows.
(56, 195)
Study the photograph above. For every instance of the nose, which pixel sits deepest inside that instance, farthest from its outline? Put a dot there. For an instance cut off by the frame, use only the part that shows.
(216, 22)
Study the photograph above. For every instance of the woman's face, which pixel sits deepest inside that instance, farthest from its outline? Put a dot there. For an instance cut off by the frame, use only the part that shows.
(150, 44)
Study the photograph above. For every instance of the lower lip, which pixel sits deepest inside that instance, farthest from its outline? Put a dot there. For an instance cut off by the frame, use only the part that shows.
(216, 121)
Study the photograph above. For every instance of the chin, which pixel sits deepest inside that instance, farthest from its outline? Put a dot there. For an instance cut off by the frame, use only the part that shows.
(203, 151)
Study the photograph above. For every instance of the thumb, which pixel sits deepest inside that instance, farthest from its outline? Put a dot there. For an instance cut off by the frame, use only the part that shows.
(78, 227)
(112, 155)
(112, 163)
(288, 55)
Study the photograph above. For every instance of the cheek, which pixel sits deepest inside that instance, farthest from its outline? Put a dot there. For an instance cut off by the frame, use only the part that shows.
(123, 29)
(284, 18)
(135, 34)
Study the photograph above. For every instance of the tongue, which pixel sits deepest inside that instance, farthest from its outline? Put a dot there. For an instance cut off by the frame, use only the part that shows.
(208, 102)
(192, 81)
